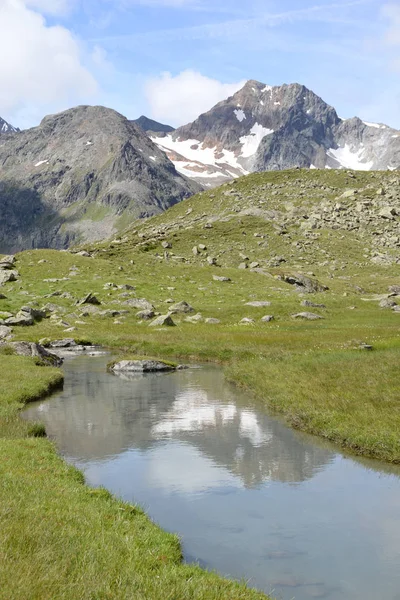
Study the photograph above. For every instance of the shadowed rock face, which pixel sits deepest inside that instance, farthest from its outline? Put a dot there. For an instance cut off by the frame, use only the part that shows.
(263, 128)
(149, 125)
(76, 175)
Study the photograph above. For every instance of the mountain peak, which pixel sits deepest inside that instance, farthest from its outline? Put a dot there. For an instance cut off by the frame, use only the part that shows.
(263, 127)
(6, 128)
(150, 125)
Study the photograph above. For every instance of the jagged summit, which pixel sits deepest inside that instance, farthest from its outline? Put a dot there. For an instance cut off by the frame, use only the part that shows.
(263, 127)
(81, 175)
(154, 126)
(6, 128)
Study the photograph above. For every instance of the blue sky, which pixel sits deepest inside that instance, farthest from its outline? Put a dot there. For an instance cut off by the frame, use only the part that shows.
(172, 59)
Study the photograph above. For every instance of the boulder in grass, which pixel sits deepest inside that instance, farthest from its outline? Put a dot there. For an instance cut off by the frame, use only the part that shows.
(21, 319)
(90, 299)
(221, 278)
(162, 321)
(145, 315)
(182, 307)
(307, 315)
(247, 321)
(141, 366)
(212, 321)
(387, 303)
(267, 318)
(7, 262)
(140, 303)
(258, 304)
(7, 276)
(36, 351)
(310, 304)
(394, 289)
(304, 283)
(5, 332)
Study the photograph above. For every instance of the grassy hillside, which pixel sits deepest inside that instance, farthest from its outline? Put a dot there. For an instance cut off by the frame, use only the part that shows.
(247, 242)
(337, 228)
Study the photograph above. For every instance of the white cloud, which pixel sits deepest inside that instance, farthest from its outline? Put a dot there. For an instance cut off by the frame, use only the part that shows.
(180, 99)
(41, 68)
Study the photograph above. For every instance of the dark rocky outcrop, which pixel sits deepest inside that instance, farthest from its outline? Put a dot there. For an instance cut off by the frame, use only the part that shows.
(149, 125)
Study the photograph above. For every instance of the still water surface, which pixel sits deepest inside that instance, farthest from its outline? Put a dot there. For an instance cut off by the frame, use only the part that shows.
(251, 498)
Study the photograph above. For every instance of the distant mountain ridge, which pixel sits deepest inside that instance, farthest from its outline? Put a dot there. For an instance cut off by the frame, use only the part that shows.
(150, 125)
(81, 175)
(262, 128)
(6, 127)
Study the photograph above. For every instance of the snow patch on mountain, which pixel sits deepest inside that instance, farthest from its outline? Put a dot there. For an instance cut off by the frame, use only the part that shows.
(240, 115)
(351, 159)
(251, 142)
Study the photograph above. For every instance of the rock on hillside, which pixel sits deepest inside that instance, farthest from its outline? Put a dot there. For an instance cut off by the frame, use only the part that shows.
(6, 128)
(80, 176)
(263, 128)
(154, 126)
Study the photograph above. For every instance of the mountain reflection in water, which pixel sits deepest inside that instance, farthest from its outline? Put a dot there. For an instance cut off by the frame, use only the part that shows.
(196, 407)
(248, 496)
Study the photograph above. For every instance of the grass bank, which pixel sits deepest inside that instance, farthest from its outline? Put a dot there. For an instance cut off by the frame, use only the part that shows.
(61, 539)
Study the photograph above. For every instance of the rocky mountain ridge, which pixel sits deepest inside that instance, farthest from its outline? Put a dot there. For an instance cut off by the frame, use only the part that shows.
(81, 175)
(6, 128)
(262, 128)
(150, 125)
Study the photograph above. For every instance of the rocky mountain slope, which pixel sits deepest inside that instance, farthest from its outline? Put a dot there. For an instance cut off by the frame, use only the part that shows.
(6, 127)
(81, 175)
(262, 128)
(154, 126)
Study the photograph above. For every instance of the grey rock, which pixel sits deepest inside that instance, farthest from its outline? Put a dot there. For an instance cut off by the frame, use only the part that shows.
(5, 332)
(127, 286)
(198, 318)
(20, 320)
(65, 343)
(89, 299)
(181, 307)
(36, 351)
(268, 318)
(307, 315)
(212, 321)
(145, 315)
(140, 303)
(7, 262)
(247, 321)
(141, 366)
(387, 303)
(7, 276)
(211, 260)
(312, 304)
(36, 313)
(258, 304)
(163, 321)
(394, 289)
(306, 284)
(243, 266)
(254, 265)
(221, 278)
